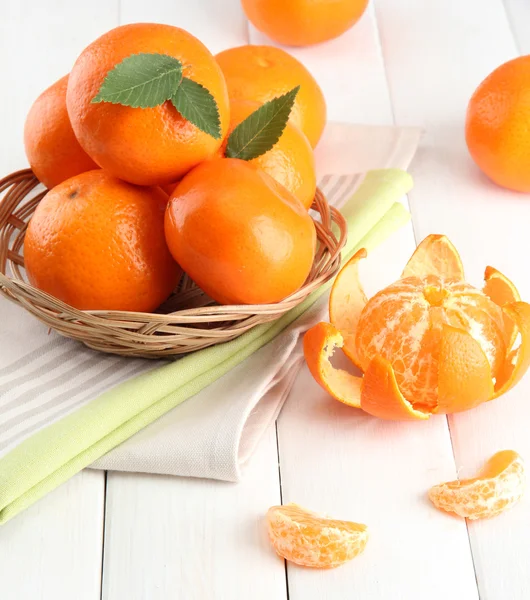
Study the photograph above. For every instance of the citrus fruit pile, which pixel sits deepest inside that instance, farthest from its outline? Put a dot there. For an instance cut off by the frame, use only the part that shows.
(162, 158)
(429, 343)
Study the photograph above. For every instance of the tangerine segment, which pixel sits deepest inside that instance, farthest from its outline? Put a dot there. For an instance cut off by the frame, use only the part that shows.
(518, 360)
(308, 539)
(319, 344)
(464, 374)
(502, 291)
(381, 397)
(435, 255)
(346, 302)
(497, 488)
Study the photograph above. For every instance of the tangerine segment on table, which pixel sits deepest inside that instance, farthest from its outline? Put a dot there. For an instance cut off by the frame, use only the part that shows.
(308, 539)
(239, 234)
(261, 73)
(497, 133)
(305, 21)
(290, 161)
(97, 243)
(149, 146)
(494, 490)
(53, 152)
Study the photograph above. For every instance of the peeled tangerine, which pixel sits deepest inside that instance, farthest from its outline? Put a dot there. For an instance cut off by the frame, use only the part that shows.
(496, 488)
(429, 343)
(305, 538)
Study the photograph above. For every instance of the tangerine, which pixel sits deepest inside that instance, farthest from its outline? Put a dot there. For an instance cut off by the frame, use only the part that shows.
(239, 234)
(303, 22)
(497, 133)
(290, 161)
(53, 151)
(261, 73)
(308, 539)
(97, 243)
(150, 146)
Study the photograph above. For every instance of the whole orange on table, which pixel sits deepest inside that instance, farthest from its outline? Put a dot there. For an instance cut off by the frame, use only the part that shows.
(53, 151)
(239, 234)
(497, 130)
(97, 243)
(290, 161)
(303, 22)
(260, 73)
(145, 146)
(430, 343)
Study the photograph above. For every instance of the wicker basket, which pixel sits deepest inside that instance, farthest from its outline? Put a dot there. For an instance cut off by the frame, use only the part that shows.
(188, 321)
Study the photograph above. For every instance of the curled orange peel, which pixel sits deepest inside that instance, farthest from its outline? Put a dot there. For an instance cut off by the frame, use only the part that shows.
(502, 291)
(346, 302)
(436, 255)
(319, 344)
(518, 359)
(465, 377)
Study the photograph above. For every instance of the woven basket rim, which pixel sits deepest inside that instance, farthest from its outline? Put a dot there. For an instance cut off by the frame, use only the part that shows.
(20, 198)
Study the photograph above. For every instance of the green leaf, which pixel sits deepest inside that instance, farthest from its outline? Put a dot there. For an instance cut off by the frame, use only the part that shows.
(259, 132)
(141, 81)
(195, 103)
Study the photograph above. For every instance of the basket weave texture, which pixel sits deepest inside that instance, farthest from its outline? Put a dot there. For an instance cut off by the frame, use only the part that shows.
(188, 321)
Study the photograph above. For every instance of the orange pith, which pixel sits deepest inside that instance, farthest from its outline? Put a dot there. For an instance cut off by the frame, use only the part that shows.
(308, 539)
(429, 343)
(494, 490)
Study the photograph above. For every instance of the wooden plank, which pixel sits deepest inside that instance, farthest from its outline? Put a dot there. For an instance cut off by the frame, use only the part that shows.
(171, 537)
(518, 12)
(433, 70)
(53, 549)
(339, 461)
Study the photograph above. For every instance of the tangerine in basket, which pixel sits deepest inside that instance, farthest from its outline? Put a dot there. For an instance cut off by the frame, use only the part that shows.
(97, 243)
(497, 132)
(305, 21)
(290, 161)
(145, 146)
(53, 151)
(429, 343)
(261, 73)
(239, 234)
(308, 539)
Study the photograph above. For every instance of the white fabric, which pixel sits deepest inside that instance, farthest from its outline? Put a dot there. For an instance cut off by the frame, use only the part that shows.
(44, 377)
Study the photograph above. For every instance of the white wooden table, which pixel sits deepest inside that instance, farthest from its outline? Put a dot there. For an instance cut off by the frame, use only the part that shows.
(134, 537)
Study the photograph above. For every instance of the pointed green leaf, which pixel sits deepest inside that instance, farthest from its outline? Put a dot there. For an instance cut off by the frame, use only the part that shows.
(141, 81)
(259, 132)
(195, 103)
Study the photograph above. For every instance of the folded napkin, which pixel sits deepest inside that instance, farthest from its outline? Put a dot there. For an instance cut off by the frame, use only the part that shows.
(63, 406)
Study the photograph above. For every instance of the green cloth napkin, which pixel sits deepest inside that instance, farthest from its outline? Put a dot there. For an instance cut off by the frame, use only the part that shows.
(54, 454)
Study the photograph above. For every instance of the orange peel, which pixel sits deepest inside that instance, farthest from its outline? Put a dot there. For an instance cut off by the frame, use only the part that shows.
(346, 302)
(494, 490)
(430, 343)
(308, 539)
(436, 255)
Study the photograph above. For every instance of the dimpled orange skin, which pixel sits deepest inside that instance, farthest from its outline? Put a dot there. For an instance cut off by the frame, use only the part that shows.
(497, 132)
(53, 151)
(151, 146)
(303, 22)
(260, 73)
(97, 243)
(290, 161)
(240, 235)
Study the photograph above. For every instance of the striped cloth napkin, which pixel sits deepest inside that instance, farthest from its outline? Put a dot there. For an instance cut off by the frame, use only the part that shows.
(64, 407)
